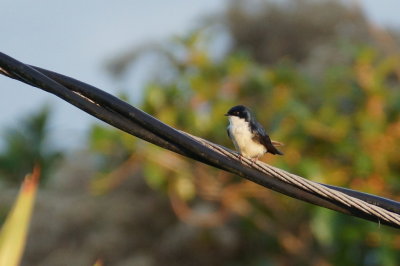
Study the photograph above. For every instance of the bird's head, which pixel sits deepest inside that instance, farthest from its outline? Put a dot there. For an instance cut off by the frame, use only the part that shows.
(240, 111)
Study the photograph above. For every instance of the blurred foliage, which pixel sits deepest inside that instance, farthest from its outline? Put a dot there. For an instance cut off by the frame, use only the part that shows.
(28, 145)
(14, 231)
(318, 77)
(299, 30)
(340, 127)
(319, 80)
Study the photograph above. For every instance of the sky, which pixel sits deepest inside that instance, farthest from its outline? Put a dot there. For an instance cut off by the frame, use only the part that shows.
(76, 38)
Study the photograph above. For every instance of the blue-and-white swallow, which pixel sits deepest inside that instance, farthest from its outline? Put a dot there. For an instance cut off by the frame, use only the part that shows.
(248, 136)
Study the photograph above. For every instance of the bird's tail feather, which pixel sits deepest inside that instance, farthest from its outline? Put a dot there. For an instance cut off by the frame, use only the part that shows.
(277, 143)
(272, 149)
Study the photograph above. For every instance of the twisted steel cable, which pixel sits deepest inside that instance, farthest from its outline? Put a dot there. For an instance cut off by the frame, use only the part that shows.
(121, 115)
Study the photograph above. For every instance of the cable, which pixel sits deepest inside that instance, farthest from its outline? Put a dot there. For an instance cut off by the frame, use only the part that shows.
(138, 123)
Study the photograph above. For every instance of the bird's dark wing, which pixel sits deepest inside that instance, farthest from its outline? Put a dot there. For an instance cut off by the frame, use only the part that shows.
(262, 137)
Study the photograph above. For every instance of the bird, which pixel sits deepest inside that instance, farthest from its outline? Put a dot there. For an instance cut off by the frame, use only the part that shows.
(248, 135)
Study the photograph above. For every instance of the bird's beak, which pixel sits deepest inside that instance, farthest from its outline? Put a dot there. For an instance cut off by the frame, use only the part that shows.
(226, 114)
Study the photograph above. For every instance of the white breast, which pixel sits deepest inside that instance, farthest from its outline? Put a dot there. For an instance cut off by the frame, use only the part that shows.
(239, 129)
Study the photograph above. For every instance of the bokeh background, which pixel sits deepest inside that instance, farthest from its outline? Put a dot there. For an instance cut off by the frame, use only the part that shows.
(322, 76)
